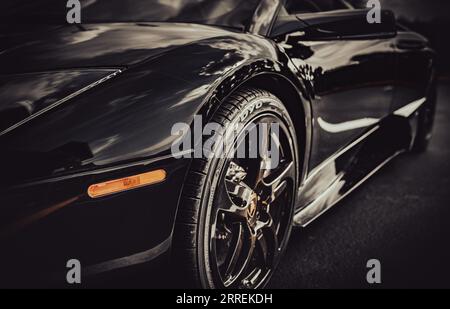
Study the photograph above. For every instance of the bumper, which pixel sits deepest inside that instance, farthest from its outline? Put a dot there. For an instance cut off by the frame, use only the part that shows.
(45, 224)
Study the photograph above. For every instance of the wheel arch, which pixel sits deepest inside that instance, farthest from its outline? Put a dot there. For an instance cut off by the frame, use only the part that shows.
(295, 102)
(298, 109)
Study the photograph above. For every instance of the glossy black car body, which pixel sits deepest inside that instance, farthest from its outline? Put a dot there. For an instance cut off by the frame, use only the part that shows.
(83, 105)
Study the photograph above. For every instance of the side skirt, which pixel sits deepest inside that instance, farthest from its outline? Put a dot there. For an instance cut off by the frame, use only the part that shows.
(344, 172)
(310, 213)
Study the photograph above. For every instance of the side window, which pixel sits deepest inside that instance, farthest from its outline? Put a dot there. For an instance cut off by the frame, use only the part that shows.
(301, 6)
(312, 6)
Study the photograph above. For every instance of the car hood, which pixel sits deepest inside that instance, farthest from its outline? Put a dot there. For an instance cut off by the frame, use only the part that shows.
(43, 48)
(41, 67)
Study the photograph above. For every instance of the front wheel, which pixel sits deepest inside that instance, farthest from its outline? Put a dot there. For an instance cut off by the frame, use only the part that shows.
(236, 213)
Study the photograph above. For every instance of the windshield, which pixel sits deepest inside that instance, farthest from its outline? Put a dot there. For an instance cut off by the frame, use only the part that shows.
(232, 13)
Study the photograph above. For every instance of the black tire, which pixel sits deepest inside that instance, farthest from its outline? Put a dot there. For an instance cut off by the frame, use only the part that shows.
(198, 243)
(425, 123)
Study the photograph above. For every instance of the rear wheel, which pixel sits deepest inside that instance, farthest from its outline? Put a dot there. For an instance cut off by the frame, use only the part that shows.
(236, 213)
(425, 124)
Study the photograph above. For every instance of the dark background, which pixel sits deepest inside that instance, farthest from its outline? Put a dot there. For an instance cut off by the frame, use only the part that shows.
(428, 17)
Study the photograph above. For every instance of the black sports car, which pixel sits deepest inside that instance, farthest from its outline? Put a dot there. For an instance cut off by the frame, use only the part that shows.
(87, 112)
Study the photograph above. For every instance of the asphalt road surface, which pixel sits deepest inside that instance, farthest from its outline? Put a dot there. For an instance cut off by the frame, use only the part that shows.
(401, 217)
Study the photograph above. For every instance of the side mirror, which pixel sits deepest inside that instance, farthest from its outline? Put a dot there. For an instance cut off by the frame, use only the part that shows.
(337, 25)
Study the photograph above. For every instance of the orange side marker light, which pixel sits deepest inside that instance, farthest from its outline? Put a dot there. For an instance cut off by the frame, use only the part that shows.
(127, 183)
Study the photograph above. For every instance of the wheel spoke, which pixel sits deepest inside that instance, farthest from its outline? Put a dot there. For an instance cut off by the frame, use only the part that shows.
(267, 243)
(262, 247)
(241, 254)
(276, 184)
(273, 236)
(278, 191)
(238, 242)
(251, 280)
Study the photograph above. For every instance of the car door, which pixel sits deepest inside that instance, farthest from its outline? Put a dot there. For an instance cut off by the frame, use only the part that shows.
(415, 63)
(352, 80)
